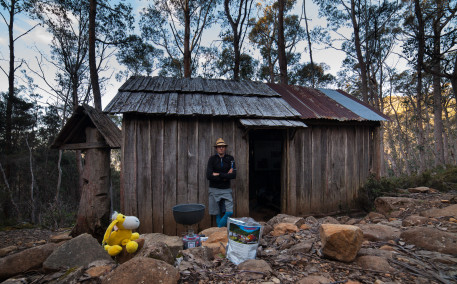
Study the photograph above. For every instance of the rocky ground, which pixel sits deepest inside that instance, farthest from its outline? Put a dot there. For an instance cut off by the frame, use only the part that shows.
(410, 238)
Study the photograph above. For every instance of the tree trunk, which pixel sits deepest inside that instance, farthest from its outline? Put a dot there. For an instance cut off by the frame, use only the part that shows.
(281, 44)
(9, 103)
(92, 61)
(420, 59)
(94, 206)
(437, 105)
(313, 76)
(358, 48)
(187, 56)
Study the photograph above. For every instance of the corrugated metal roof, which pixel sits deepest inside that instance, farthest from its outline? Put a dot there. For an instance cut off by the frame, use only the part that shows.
(316, 104)
(271, 123)
(355, 106)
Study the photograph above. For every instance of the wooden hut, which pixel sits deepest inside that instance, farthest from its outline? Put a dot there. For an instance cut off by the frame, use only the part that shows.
(170, 126)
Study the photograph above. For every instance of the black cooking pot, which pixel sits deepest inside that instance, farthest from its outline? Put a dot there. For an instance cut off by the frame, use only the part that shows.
(188, 214)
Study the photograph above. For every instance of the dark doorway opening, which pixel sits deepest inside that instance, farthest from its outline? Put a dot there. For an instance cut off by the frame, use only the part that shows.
(265, 159)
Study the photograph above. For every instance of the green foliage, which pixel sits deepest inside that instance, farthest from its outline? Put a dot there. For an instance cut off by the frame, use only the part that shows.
(441, 179)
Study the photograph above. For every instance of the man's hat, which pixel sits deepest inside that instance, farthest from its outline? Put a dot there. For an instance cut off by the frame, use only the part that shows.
(220, 142)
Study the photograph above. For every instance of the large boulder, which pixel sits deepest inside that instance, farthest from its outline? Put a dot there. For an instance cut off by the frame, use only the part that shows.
(143, 270)
(431, 239)
(449, 211)
(157, 250)
(340, 242)
(76, 252)
(25, 260)
(379, 232)
(173, 242)
(387, 205)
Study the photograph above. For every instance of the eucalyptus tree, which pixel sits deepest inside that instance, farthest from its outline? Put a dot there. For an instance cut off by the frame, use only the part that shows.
(237, 14)
(372, 38)
(264, 34)
(311, 74)
(177, 27)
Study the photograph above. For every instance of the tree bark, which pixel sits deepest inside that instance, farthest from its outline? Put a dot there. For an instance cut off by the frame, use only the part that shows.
(9, 103)
(94, 206)
(281, 44)
(92, 61)
(313, 76)
(187, 56)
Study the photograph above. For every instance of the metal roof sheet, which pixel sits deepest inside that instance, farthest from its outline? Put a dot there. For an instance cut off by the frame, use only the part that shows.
(355, 106)
(323, 104)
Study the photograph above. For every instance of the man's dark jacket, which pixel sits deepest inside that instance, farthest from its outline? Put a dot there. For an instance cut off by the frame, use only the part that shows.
(220, 165)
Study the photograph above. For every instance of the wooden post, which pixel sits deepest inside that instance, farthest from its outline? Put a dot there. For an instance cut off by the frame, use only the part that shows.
(94, 207)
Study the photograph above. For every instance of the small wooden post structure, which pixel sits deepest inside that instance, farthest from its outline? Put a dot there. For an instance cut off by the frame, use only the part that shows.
(95, 133)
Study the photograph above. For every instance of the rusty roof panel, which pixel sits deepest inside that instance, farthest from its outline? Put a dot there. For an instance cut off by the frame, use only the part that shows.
(326, 104)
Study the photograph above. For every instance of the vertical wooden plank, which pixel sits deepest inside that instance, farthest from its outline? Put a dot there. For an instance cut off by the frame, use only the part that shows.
(307, 169)
(317, 175)
(130, 169)
(302, 199)
(350, 167)
(192, 164)
(157, 156)
(143, 176)
(204, 152)
(124, 150)
(170, 170)
(292, 150)
(181, 190)
(242, 175)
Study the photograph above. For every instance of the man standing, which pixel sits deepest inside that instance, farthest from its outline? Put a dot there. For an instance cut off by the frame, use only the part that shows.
(220, 170)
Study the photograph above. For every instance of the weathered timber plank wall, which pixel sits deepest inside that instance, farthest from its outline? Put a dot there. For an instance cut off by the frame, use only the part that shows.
(164, 164)
(326, 166)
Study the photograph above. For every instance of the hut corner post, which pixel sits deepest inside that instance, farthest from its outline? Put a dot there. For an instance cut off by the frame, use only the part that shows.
(94, 206)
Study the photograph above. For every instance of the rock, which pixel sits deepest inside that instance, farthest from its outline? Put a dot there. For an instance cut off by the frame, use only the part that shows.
(375, 217)
(305, 227)
(341, 242)
(143, 270)
(386, 205)
(173, 242)
(217, 242)
(373, 262)
(414, 220)
(71, 275)
(25, 260)
(252, 269)
(199, 255)
(79, 251)
(328, 220)
(16, 281)
(376, 252)
(99, 271)
(352, 221)
(6, 250)
(269, 252)
(421, 189)
(60, 238)
(301, 247)
(431, 239)
(284, 228)
(284, 218)
(310, 220)
(378, 232)
(208, 232)
(449, 211)
(284, 241)
(157, 250)
(267, 228)
(315, 279)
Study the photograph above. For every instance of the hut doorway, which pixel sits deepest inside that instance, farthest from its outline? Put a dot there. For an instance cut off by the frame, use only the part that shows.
(265, 156)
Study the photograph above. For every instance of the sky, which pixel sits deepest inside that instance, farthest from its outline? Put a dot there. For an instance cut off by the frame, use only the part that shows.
(26, 48)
